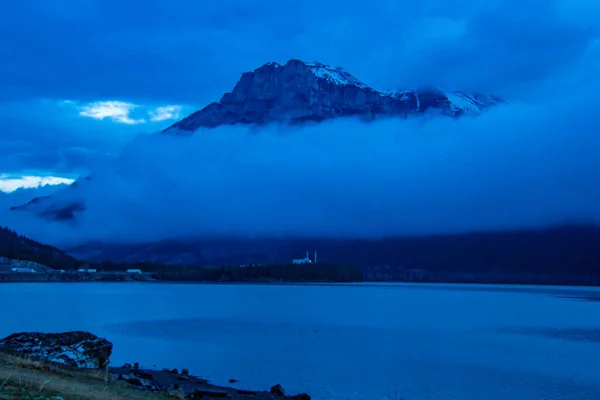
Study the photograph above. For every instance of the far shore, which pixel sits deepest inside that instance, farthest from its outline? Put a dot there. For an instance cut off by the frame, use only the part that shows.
(581, 292)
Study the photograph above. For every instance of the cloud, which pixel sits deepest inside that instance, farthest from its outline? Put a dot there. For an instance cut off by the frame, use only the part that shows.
(20, 197)
(118, 111)
(165, 113)
(121, 112)
(50, 137)
(11, 183)
(522, 164)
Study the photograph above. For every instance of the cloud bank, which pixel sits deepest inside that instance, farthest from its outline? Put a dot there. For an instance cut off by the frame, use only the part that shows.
(121, 112)
(522, 164)
(528, 163)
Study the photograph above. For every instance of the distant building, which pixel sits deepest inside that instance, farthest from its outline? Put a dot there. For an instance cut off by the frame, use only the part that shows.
(304, 260)
(134, 271)
(89, 271)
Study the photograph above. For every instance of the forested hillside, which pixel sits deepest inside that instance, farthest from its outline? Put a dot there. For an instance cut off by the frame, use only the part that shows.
(322, 272)
(566, 255)
(18, 247)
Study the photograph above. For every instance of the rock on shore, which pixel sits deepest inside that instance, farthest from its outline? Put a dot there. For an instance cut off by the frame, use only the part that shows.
(74, 349)
(84, 350)
(192, 387)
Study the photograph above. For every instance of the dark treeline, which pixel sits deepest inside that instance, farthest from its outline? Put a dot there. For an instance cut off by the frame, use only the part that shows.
(557, 250)
(254, 273)
(562, 249)
(557, 255)
(18, 247)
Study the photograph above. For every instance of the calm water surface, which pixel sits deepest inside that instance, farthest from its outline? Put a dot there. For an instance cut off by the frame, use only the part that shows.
(338, 341)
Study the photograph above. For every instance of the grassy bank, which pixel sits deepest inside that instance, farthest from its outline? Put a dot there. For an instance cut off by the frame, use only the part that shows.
(23, 378)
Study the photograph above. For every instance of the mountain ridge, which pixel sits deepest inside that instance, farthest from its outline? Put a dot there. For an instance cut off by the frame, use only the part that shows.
(301, 92)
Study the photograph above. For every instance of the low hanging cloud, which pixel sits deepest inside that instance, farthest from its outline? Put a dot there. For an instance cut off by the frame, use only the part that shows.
(165, 113)
(118, 111)
(518, 165)
(123, 112)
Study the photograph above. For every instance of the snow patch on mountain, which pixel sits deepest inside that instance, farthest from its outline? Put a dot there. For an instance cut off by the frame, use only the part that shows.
(337, 76)
(460, 101)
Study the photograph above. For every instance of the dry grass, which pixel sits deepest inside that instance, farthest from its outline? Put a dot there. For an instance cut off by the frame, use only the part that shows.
(24, 378)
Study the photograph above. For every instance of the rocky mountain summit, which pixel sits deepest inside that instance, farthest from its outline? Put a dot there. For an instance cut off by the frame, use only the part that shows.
(300, 92)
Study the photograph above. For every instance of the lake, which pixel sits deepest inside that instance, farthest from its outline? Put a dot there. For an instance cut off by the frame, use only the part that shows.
(338, 341)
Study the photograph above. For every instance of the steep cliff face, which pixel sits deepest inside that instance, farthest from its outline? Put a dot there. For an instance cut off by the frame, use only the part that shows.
(300, 92)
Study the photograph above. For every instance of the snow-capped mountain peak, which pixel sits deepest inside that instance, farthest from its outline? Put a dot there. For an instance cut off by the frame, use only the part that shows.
(300, 92)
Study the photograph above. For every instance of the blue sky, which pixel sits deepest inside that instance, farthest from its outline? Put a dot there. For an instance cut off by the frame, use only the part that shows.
(83, 81)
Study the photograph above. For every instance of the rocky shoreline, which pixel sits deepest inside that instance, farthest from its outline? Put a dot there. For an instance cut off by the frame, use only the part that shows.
(193, 387)
(84, 357)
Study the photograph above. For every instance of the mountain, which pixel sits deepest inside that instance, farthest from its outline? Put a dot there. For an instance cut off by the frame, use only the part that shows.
(299, 92)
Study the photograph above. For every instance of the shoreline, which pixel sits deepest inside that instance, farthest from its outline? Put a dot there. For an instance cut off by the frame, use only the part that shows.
(147, 278)
(573, 292)
(23, 376)
(76, 365)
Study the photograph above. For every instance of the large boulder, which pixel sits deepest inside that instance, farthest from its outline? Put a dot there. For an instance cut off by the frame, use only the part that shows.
(75, 349)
